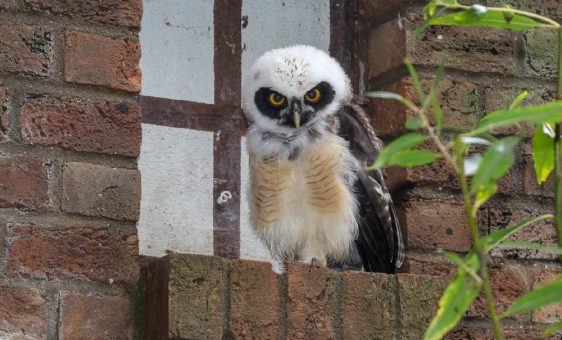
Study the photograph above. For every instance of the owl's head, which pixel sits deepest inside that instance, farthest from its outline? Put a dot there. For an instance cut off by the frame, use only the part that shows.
(293, 88)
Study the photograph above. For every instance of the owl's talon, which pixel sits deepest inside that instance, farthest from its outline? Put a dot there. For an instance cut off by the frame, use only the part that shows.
(315, 263)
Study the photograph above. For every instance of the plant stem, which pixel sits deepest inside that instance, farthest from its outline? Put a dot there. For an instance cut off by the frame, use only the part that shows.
(486, 285)
(558, 153)
(551, 23)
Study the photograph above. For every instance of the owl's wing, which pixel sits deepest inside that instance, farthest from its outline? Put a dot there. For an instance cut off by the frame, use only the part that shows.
(380, 244)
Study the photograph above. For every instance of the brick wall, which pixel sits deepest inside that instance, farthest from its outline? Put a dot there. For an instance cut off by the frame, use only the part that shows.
(69, 185)
(486, 69)
(205, 297)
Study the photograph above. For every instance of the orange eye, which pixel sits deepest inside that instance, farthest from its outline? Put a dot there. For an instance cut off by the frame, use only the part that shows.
(313, 96)
(276, 99)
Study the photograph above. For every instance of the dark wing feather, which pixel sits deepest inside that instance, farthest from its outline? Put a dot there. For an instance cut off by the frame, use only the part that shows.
(379, 243)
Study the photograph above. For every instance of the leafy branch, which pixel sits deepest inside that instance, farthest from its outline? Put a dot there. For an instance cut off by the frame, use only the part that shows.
(485, 168)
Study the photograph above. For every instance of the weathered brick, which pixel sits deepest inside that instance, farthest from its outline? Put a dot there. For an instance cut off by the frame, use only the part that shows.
(368, 305)
(465, 331)
(92, 253)
(546, 274)
(508, 284)
(419, 267)
(100, 60)
(26, 49)
(94, 317)
(431, 224)
(254, 300)
(505, 213)
(373, 10)
(474, 49)
(542, 53)
(82, 124)
(419, 299)
(114, 12)
(197, 286)
(97, 190)
(23, 313)
(310, 302)
(459, 101)
(24, 183)
(10, 3)
(4, 121)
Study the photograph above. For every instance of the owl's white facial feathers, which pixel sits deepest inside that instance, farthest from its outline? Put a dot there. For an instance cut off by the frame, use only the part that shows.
(292, 71)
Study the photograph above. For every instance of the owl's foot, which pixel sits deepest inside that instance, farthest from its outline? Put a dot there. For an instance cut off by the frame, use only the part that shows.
(315, 263)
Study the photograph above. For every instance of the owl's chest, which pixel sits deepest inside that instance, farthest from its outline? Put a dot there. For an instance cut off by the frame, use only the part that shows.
(300, 190)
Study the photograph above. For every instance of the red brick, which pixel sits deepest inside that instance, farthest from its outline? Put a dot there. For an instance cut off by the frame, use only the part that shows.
(97, 190)
(310, 302)
(484, 332)
(82, 125)
(459, 101)
(431, 224)
(94, 317)
(508, 284)
(500, 98)
(24, 183)
(26, 49)
(419, 300)
(114, 12)
(23, 313)
(81, 252)
(474, 49)
(506, 213)
(100, 60)
(553, 313)
(254, 300)
(368, 305)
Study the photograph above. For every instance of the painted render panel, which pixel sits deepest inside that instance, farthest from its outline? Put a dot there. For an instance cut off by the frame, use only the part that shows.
(273, 24)
(177, 42)
(176, 168)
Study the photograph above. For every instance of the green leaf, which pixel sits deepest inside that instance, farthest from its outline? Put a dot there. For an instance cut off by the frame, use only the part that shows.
(491, 240)
(540, 114)
(483, 196)
(530, 246)
(402, 143)
(537, 298)
(552, 328)
(453, 304)
(413, 123)
(467, 266)
(411, 158)
(543, 154)
(495, 163)
(438, 114)
(518, 100)
(490, 18)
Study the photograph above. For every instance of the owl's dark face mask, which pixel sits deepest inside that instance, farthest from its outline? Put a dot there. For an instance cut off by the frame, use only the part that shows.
(293, 112)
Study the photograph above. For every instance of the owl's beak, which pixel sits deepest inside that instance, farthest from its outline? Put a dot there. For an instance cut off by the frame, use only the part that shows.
(297, 119)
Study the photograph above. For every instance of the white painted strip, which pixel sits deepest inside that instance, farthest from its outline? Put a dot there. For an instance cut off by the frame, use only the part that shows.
(275, 23)
(177, 43)
(251, 246)
(176, 168)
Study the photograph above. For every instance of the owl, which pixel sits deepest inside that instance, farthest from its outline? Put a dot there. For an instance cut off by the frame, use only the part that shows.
(312, 195)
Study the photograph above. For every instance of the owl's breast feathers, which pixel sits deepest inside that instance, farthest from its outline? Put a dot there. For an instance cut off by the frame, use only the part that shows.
(307, 199)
